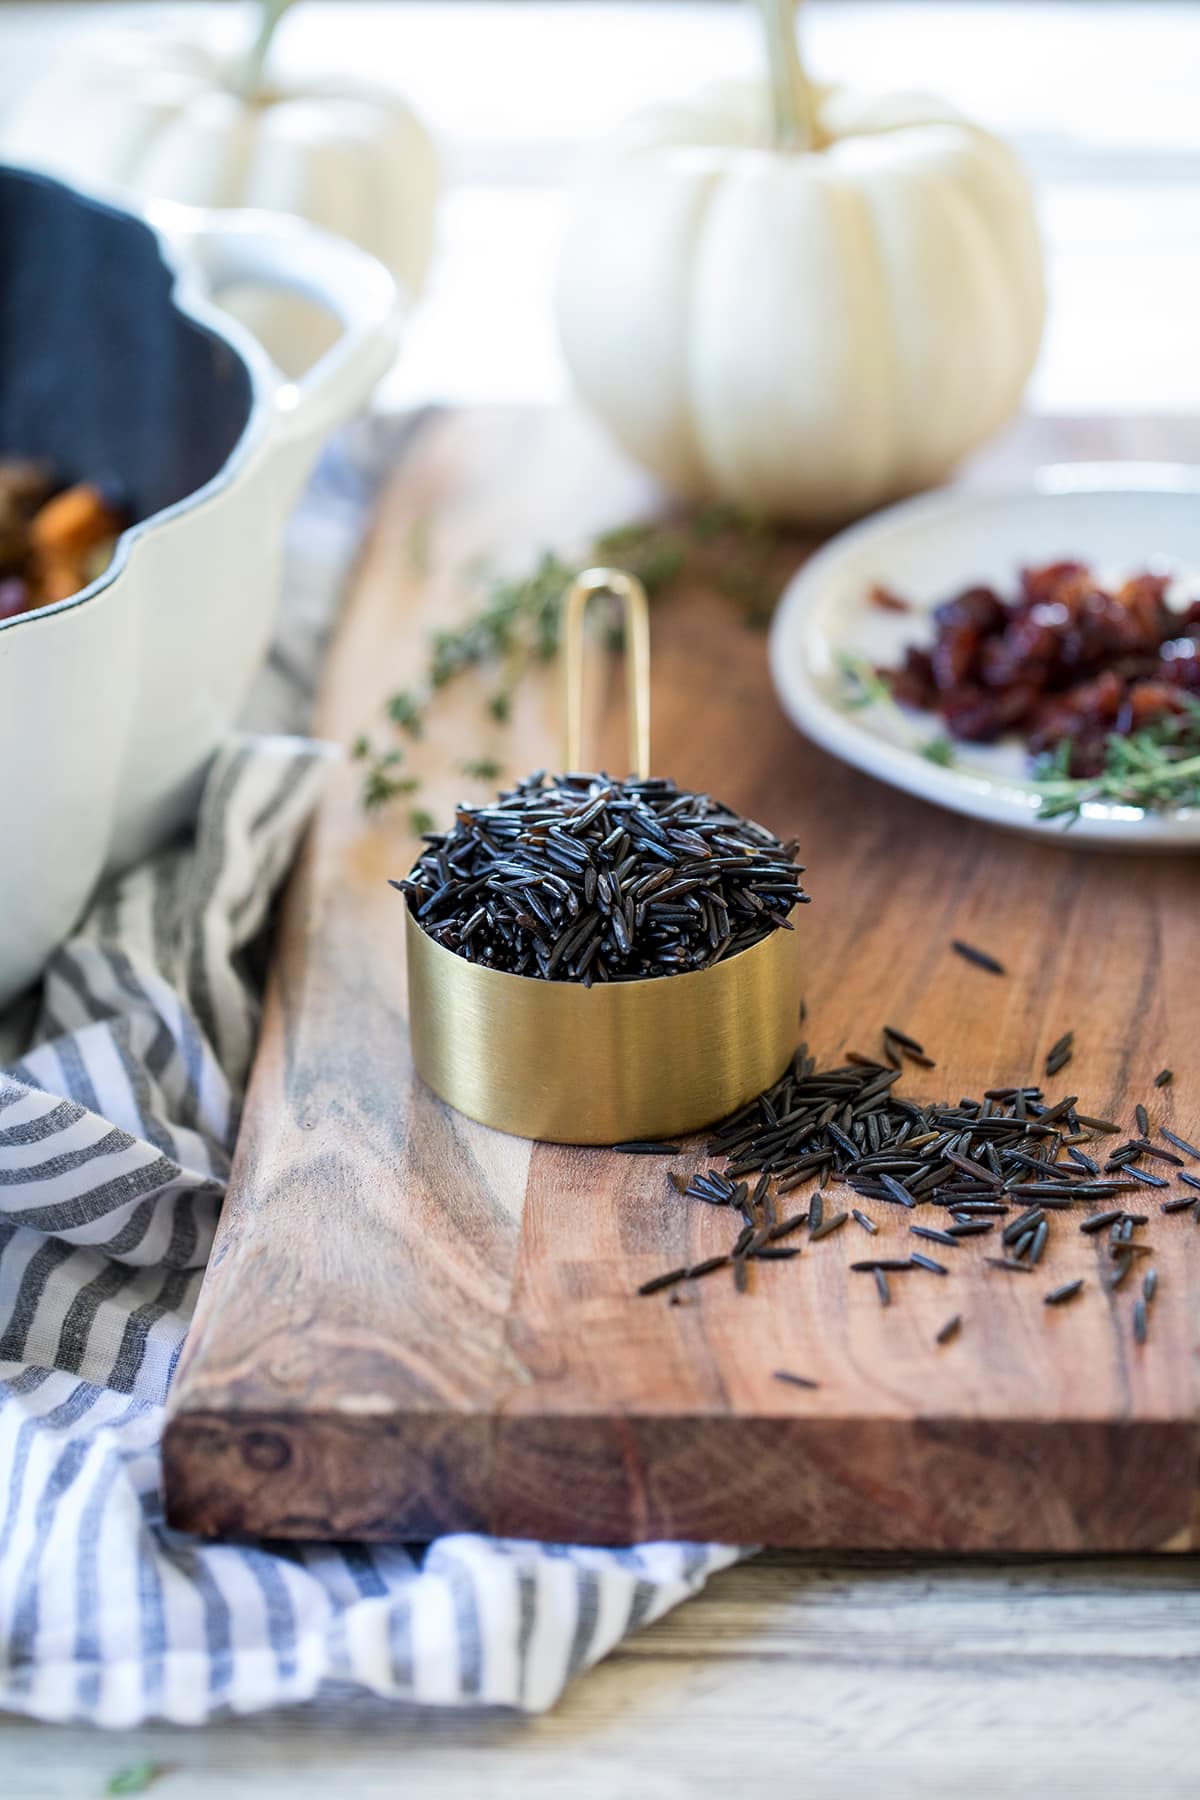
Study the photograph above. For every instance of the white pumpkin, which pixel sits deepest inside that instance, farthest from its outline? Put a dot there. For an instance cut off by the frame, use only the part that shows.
(150, 116)
(801, 300)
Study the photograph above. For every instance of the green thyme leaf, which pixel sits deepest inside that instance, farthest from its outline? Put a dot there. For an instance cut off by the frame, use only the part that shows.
(136, 1778)
(1154, 770)
(406, 711)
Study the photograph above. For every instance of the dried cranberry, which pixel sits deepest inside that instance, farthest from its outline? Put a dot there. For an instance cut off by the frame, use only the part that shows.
(912, 684)
(954, 656)
(978, 716)
(1145, 703)
(1026, 652)
(1052, 580)
(980, 608)
(1066, 661)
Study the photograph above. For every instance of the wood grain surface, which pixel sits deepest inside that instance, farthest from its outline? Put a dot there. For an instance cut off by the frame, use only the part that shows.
(412, 1324)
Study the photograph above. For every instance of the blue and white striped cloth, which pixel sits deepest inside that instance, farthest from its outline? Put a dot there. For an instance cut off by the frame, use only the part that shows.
(119, 1105)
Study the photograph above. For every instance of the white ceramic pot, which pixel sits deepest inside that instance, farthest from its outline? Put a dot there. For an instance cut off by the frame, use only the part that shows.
(115, 364)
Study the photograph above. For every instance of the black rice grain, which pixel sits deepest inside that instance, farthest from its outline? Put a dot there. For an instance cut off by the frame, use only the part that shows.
(1099, 1220)
(1121, 1270)
(1060, 1295)
(581, 877)
(970, 953)
(661, 1281)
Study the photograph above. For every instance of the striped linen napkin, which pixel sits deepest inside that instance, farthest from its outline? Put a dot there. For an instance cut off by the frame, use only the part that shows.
(119, 1105)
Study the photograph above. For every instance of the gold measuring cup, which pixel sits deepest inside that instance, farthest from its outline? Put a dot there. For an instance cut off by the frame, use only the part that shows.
(620, 1060)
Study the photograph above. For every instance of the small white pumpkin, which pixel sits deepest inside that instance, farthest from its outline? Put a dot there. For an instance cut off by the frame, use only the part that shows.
(802, 300)
(147, 116)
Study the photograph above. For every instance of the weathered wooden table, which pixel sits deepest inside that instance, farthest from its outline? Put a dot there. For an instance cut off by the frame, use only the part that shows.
(785, 1677)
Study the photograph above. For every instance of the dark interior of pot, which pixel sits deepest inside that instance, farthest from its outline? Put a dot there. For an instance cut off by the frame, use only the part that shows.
(100, 375)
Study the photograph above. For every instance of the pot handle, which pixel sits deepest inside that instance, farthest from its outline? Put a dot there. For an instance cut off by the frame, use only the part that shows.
(275, 250)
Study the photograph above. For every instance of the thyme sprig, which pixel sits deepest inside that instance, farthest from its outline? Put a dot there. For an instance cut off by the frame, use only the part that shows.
(1154, 770)
(514, 627)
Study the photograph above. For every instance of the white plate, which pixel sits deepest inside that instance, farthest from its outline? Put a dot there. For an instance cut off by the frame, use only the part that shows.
(1121, 517)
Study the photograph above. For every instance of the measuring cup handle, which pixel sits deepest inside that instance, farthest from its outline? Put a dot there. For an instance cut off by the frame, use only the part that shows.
(628, 591)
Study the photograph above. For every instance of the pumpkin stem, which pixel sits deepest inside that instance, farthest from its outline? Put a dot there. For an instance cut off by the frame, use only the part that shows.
(792, 100)
(249, 76)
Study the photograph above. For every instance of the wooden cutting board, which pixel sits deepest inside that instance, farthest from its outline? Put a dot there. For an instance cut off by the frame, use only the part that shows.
(413, 1325)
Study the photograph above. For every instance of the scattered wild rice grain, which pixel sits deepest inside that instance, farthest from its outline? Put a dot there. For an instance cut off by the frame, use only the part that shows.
(1104, 1126)
(661, 1281)
(707, 1267)
(1060, 1295)
(970, 953)
(1120, 1272)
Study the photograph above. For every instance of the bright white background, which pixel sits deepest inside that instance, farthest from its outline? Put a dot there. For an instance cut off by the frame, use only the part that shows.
(1103, 101)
